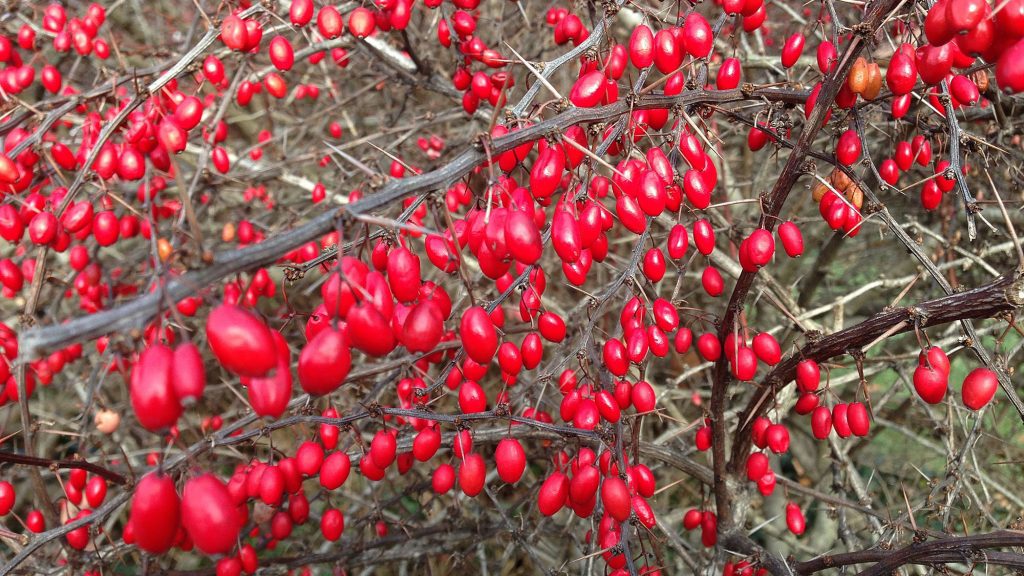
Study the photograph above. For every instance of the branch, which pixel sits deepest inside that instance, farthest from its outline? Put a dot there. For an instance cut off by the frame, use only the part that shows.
(596, 35)
(1003, 295)
(353, 552)
(37, 342)
(955, 549)
(63, 465)
(230, 435)
(936, 274)
(876, 14)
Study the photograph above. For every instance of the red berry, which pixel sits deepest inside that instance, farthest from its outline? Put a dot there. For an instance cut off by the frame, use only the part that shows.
(552, 495)
(426, 443)
(472, 474)
(821, 422)
(712, 281)
(96, 491)
(697, 35)
(979, 388)
(728, 74)
(241, 342)
(641, 47)
(6, 497)
(757, 466)
(443, 478)
(332, 524)
(848, 147)
(767, 348)
(324, 362)
(479, 338)
(841, 420)
(615, 497)
(152, 390)
(795, 519)
(777, 438)
(859, 419)
(335, 470)
(692, 518)
(209, 516)
(808, 375)
(301, 12)
(510, 460)
(792, 50)
(930, 384)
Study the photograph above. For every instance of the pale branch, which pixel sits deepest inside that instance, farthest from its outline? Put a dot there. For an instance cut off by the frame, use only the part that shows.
(955, 160)
(595, 37)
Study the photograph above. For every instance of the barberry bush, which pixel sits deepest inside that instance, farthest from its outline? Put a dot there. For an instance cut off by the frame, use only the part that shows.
(503, 287)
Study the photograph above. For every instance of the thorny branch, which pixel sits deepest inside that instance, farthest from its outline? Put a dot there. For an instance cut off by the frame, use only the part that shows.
(877, 12)
(142, 309)
(998, 298)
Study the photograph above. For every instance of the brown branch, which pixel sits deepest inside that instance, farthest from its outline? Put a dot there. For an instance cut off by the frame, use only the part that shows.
(875, 15)
(63, 465)
(1004, 378)
(955, 549)
(1002, 295)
